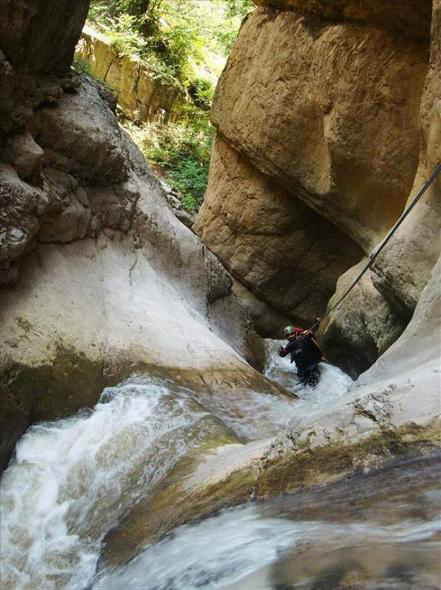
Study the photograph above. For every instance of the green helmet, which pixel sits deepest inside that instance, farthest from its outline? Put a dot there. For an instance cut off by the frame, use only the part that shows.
(289, 330)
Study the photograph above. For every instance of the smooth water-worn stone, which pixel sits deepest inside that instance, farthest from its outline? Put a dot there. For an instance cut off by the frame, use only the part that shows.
(348, 149)
(343, 137)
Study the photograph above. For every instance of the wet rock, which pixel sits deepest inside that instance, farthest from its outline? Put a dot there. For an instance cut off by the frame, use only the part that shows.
(108, 271)
(392, 409)
(361, 329)
(267, 321)
(110, 302)
(61, 386)
(299, 131)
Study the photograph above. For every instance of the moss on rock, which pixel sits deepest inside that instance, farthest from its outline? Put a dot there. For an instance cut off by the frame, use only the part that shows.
(30, 394)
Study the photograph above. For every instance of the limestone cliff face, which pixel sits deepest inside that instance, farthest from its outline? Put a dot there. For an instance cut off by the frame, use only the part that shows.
(410, 18)
(322, 102)
(387, 296)
(271, 241)
(141, 95)
(330, 111)
(99, 278)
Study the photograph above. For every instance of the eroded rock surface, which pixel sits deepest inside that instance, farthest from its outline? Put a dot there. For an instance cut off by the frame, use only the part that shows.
(410, 18)
(330, 110)
(101, 280)
(391, 411)
(392, 289)
(283, 251)
(332, 102)
(99, 277)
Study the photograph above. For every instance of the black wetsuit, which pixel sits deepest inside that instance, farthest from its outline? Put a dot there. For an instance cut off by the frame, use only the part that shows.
(304, 351)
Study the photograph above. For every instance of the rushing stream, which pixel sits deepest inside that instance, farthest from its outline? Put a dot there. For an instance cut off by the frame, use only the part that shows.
(73, 480)
(382, 539)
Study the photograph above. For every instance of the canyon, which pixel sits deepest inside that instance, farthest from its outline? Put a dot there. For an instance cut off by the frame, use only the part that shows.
(140, 388)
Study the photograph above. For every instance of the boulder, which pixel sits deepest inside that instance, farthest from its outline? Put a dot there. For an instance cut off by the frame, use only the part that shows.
(276, 246)
(111, 281)
(82, 138)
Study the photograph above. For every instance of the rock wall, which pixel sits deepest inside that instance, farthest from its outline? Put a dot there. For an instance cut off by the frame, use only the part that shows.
(391, 412)
(321, 108)
(410, 18)
(377, 311)
(277, 246)
(99, 278)
(141, 95)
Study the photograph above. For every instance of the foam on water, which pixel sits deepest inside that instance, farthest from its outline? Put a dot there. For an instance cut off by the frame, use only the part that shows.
(72, 480)
(333, 383)
(229, 547)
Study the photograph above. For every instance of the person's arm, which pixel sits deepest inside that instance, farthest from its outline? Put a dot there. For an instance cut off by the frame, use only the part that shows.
(290, 347)
(282, 351)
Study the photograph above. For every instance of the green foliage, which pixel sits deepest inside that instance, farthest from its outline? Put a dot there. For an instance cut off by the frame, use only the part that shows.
(83, 67)
(175, 37)
(124, 38)
(182, 152)
(202, 91)
(184, 42)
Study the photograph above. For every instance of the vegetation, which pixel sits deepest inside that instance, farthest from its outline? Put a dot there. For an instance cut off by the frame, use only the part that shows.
(181, 153)
(174, 36)
(83, 67)
(185, 43)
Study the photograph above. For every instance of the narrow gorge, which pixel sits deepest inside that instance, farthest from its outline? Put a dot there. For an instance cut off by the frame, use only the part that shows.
(151, 436)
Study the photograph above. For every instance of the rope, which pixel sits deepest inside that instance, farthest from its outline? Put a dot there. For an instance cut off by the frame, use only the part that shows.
(379, 249)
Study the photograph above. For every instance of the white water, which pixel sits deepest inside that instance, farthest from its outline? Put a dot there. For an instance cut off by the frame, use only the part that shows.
(333, 382)
(245, 542)
(74, 479)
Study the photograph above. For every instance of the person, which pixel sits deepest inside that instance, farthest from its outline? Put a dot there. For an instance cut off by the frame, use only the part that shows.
(305, 353)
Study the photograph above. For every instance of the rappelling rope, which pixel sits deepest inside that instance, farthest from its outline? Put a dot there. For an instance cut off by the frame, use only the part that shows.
(374, 255)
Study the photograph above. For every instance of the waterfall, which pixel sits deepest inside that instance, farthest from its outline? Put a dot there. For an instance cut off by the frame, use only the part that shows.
(246, 543)
(271, 545)
(73, 480)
